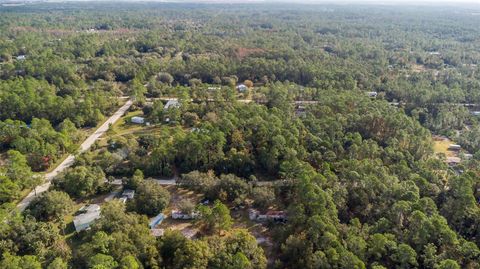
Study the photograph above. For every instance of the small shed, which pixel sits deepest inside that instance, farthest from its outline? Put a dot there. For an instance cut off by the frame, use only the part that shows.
(242, 88)
(454, 147)
(138, 120)
(157, 232)
(372, 94)
(453, 161)
(156, 220)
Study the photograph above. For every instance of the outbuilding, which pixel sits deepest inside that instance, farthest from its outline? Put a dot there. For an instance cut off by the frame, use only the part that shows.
(454, 147)
(372, 94)
(156, 220)
(138, 120)
(453, 161)
(157, 232)
(242, 88)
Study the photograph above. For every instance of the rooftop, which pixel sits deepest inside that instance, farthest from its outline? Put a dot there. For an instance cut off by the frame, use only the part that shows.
(453, 160)
(157, 232)
(86, 218)
(90, 208)
(171, 103)
(156, 220)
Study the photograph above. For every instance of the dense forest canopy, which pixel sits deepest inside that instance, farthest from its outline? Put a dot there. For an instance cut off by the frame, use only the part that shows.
(327, 117)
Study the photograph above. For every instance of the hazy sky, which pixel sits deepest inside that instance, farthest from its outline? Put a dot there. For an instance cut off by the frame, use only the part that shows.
(299, 1)
(337, 1)
(342, 1)
(376, 1)
(383, 2)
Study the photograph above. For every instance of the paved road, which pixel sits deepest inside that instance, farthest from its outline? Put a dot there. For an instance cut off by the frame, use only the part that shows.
(71, 158)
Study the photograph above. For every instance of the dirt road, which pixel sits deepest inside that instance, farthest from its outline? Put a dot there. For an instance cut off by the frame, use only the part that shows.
(71, 158)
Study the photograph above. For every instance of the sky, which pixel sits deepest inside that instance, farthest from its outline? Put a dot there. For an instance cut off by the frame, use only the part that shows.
(383, 2)
(343, 1)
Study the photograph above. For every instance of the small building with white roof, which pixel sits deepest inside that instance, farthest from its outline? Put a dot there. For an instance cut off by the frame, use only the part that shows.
(84, 220)
(172, 103)
(138, 120)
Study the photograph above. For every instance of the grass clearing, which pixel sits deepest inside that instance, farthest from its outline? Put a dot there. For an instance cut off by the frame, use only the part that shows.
(442, 145)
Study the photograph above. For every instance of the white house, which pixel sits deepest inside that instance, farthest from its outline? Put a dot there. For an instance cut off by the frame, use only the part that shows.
(138, 120)
(21, 57)
(84, 220)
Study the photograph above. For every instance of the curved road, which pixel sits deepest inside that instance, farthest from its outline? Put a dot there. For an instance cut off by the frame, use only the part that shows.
(71, 158)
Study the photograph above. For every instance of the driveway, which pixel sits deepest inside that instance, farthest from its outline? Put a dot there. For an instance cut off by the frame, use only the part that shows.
(71, 158)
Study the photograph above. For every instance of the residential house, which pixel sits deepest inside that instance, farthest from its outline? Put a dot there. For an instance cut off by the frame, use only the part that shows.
(277, 216)
(84, 220)
(177, 214)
